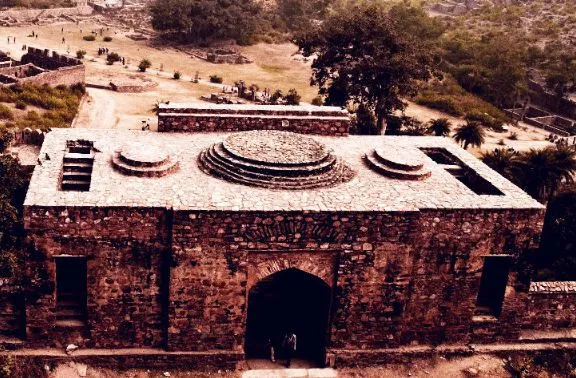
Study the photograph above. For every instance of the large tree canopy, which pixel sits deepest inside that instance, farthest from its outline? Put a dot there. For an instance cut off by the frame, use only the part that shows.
(205, 20)
(372, 56)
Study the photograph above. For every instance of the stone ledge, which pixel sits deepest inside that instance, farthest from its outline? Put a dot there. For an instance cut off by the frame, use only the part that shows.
(553, 287)
(123, 359)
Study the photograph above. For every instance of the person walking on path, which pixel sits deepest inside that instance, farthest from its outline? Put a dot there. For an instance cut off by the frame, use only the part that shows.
(289, 347)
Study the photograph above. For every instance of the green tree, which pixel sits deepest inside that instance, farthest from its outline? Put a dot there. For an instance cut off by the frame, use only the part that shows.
(440, 127)
(503, 161)
(13, 184)
(144, 65)
(207, 20)
(113, 58)
(365, 121)
(368, 56)
(470, 134)
(292, 97)
(541, 172)
(556, 259)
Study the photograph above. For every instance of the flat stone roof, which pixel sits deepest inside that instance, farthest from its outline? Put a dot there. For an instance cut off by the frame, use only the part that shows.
(189, 188)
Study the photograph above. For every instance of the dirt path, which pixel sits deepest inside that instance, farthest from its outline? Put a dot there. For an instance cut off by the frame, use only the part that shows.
(97, 111)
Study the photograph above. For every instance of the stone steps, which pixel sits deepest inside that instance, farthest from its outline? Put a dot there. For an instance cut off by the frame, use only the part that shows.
(77, 168)
(266, 172)
(240, 176)
(292, 169)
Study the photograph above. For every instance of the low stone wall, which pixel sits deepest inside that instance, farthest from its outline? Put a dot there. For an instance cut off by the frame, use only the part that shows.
(28, 136)
(551, 305)
(330, 121)
(62, 76)
(211, 123)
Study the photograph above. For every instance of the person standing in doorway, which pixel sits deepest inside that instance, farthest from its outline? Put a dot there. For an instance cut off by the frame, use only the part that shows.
(271, 348)
(289, 347)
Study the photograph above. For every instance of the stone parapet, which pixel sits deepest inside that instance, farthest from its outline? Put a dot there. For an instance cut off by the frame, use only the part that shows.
(329, 121)
(555, 287)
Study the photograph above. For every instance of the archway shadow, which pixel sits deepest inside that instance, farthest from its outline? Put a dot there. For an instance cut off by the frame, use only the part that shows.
(288, 301)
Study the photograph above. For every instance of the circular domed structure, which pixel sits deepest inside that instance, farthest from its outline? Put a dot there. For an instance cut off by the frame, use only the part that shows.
(397, 164)
(150, 161)
(274, 159)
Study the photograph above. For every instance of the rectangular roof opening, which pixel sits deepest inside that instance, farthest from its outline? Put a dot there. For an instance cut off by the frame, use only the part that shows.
(462, 172)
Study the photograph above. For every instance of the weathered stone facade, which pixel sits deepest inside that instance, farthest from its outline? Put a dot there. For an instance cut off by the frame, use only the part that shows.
(174, 262)
(211, 117)
(40, 67)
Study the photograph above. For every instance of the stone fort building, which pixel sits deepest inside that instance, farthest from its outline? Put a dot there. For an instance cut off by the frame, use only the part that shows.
(211, 243)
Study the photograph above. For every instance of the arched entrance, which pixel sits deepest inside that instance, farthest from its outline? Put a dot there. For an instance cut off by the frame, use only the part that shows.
(288, 300)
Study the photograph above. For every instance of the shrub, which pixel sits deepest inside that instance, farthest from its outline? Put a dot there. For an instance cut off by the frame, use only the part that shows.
(485, 119)
(80, 54)
(292, 98)
(144, 65)
(317, 101)
(112, 58)
(513, 136)
(216, 79)
(6, 112)
(177, 75)
(276, 97)
(89, 38)
(5, 139)
(439, 102)
(107, 39)
(20, 105)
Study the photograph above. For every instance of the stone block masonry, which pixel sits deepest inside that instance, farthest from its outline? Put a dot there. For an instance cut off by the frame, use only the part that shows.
(329, 121)
(39, 67)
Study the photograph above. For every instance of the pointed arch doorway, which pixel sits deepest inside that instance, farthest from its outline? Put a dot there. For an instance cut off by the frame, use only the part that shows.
(288, 300)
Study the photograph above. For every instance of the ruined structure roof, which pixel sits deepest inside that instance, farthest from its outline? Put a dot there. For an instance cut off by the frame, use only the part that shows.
(169, 175)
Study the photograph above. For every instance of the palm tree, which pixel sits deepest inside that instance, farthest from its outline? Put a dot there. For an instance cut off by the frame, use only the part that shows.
(440, 127)
(503, 161)
(541, 172)
(470, 134)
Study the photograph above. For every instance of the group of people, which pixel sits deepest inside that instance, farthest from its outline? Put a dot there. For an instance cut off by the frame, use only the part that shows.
(287, 348)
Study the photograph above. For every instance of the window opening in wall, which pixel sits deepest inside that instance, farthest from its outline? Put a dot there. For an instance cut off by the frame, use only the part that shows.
(77, 166)
(461, 171)
(71, 291)
(493, 285)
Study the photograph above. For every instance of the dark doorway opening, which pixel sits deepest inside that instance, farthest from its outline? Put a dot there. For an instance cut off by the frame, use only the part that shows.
(493, 285)
(71, 291)
(290, 300)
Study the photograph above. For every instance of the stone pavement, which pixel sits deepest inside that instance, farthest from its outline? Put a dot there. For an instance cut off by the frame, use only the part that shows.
(263, 368)
(290, 373)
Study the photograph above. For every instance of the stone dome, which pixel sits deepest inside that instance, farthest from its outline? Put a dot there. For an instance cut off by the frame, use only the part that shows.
(397, 164)
(274, 159)
(144, 161)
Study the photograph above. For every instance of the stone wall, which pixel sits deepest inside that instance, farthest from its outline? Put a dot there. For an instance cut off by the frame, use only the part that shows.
(400, 278)
(396, 278)
(11, 310)
(551, 305)
(40, 67)
(305, 120)
(62, 76)
(126, 252)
